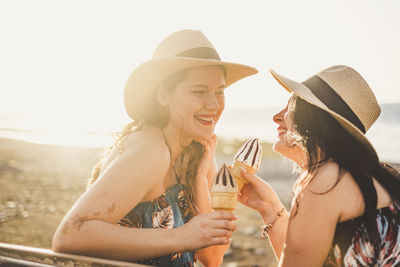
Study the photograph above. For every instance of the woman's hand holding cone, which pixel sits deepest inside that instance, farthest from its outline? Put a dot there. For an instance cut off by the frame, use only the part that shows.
(208, 229)
(259, 195)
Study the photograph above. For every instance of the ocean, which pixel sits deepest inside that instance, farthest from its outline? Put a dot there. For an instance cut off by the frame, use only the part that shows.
(235, 123)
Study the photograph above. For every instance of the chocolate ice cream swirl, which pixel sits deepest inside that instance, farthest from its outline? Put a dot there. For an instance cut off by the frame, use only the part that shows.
(250, 154)
(224, 181)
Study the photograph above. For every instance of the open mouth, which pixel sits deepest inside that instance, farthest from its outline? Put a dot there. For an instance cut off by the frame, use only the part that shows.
(281, 131)
(205, 119)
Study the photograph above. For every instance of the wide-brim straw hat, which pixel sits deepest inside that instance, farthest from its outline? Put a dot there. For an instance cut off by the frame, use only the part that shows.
(181, 50)
(343, 93)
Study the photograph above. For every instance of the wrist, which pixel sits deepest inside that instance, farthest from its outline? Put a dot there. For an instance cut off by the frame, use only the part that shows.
(201, 185)
(270, 211)
(180, 239)
(201, 180)
(267, 227)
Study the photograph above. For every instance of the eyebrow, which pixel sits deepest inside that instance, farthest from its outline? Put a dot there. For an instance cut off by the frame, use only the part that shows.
(206, 87)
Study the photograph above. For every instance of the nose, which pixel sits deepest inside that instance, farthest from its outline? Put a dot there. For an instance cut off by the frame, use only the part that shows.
(278, 117)
(212, 103)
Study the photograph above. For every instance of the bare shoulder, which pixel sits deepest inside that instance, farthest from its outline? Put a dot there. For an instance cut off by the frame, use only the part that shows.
(149, 137)
(322, 190)
(325, 178)
(334, 181)
(339, 189)
(147, 142)
(330, 191)
(142, 153)
(147, 146)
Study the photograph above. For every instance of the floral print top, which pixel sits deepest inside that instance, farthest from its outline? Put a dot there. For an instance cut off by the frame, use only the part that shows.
(353, 247)
(170, 210)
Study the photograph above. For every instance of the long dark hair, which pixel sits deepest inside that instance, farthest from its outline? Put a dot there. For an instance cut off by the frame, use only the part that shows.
(325, 139)
(186, 164)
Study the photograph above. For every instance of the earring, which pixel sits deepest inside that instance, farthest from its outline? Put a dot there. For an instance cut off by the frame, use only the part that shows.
(165, 112)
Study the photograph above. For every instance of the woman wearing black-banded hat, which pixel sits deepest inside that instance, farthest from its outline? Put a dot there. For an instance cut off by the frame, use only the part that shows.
(346, 203)
(148, 201)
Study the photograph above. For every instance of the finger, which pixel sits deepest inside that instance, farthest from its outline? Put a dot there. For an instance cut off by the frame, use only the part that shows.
(246, 189)
(243, 200)
(213, 140)
(250, 177)
(204, 143)
(240, 197)
(201, 141)
(221, 233)
(223, 215)
(225, 224)
(220, 241)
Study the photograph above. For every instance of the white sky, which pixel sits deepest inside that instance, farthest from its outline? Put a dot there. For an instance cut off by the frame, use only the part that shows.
(69, 60)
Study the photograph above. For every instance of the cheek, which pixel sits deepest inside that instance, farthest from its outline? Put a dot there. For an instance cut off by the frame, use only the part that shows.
(288, 118)
(221, 104)
(182, 105)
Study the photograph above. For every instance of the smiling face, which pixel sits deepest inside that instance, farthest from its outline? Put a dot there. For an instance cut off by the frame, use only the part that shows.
(285, 144)
(196, 103)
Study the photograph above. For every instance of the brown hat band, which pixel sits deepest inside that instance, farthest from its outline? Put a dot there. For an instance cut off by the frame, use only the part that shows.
(332, 100)
(200, 52)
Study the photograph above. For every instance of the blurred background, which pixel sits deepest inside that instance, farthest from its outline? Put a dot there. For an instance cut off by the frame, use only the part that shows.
(63, 66)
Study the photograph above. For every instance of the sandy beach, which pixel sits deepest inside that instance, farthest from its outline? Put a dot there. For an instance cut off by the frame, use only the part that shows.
(39, 183)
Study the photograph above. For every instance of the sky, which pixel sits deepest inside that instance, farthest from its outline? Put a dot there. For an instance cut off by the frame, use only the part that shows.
(65, 63)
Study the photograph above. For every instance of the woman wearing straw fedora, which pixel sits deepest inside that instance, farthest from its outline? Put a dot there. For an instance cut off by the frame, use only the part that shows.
(345, 208)
(149, 201)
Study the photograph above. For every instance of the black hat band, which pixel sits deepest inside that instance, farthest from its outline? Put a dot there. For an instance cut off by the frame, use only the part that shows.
(332, 100)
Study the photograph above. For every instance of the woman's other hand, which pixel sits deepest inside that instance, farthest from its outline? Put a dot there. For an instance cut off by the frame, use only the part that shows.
(208, 229)
(207, 161)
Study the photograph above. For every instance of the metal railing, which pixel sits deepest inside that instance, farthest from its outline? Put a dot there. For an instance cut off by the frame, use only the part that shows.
(17, 255)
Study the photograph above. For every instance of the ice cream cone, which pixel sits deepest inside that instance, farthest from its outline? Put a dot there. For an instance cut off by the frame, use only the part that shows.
(224, 201)
(238, 176)
(224, 191)
(247, 157)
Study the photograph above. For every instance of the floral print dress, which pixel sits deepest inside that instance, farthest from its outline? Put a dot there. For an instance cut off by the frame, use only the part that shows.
(353, 247)
(170, 210)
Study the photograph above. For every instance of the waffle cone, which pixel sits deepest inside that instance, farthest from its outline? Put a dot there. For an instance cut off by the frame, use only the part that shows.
(224, 201)
(236, 173)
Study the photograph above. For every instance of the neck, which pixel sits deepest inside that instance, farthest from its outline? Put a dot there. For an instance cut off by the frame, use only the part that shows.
(300, 158)
(175, 141)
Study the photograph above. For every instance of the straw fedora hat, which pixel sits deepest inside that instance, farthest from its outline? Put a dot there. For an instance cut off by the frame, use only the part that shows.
(181, 50)
(343, 93)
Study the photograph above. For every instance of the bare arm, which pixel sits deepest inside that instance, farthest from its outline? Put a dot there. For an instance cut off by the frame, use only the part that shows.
(90, 227)
(306, 238)
(210, 256)
(259, 195)
(311, 231)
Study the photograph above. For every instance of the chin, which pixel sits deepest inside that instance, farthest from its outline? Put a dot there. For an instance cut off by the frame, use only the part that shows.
(205, 135)
(290, 152)
(275, 146)
(281, 148)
